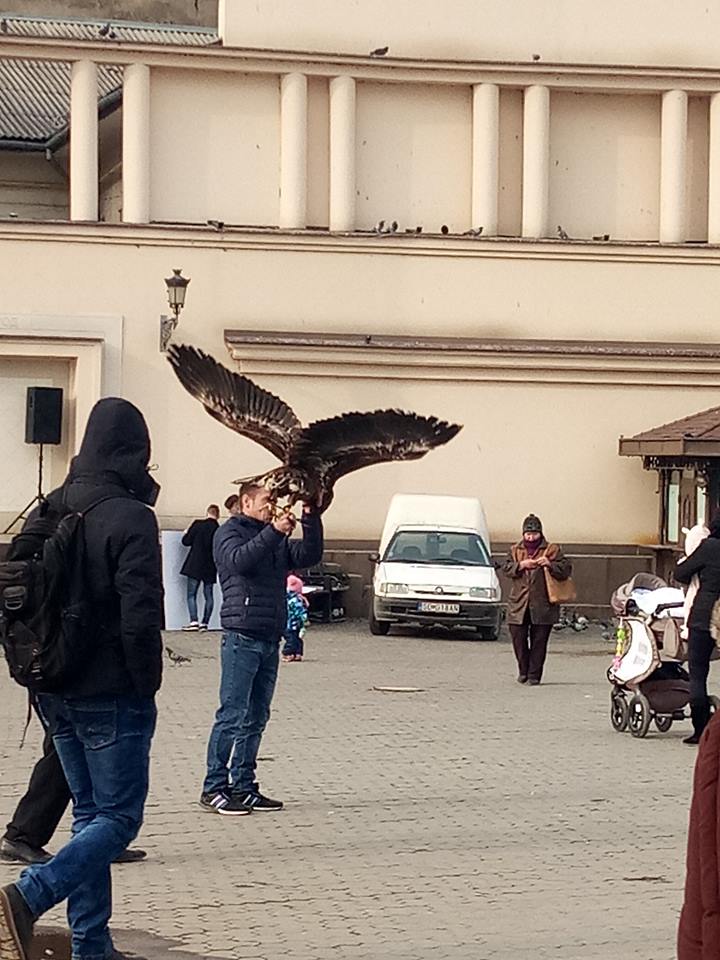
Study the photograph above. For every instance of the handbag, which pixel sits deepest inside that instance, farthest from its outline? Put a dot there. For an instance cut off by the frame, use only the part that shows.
(559, 591)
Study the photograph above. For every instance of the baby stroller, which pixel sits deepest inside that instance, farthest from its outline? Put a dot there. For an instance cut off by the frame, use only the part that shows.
(649, 683)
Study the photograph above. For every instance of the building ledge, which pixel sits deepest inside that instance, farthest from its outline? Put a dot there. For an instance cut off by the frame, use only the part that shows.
(600, 76)
(371, 356)
(319, 240)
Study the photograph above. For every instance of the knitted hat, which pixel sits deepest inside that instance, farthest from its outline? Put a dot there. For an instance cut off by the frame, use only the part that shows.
(532, 524)
(295, 584)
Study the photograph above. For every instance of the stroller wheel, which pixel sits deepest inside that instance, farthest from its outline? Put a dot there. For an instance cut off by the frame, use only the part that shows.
(618, 711)
(639, 715)
(663, 723)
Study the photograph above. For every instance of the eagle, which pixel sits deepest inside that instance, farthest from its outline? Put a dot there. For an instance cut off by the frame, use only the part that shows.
(315, 457)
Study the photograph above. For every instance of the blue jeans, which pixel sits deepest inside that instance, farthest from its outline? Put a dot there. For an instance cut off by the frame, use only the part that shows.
(248, 673)
(192, 591)
(294, 645)
(104, 747)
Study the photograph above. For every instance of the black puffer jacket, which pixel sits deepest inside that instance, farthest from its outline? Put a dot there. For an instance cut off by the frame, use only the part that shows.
(705, 562)
(123, 549)
(253, 561)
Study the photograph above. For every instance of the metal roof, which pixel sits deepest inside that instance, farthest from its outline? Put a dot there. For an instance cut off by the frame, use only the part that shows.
(35, 94)
(694, 436)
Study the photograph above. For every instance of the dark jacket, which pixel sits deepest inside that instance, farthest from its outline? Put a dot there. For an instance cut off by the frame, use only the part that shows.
(123, 552)
(253, 561)
(199, 563)
(528, 590)
(699, 929)
(705, 562)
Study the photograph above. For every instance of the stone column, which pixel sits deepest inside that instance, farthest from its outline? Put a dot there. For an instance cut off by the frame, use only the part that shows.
(486, 143)
(673, 167)
(293, 151)
(84, 141)
(136, 144)
(714, 171)
(342, 154)
(536, 162)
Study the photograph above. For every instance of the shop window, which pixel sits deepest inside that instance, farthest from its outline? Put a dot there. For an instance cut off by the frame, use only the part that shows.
(672, 507)
(701, 502)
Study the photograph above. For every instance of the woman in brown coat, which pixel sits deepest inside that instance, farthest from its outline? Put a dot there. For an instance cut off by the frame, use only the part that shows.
(530, 614)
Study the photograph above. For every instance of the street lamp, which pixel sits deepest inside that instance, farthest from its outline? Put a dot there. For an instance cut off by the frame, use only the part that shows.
(176, 290)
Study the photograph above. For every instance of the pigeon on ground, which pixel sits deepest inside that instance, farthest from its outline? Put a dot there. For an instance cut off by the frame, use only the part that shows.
(444, 229)
(563, 234)
(176, 658)
(105, 30)
(218, 224)
(380, 52)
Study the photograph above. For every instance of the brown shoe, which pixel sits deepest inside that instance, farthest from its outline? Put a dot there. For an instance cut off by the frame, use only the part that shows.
(16, 924)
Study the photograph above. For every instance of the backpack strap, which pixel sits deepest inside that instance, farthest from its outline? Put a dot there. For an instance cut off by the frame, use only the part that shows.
(96, 503)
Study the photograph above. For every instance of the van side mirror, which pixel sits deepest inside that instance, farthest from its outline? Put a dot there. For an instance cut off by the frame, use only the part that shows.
(374, 557)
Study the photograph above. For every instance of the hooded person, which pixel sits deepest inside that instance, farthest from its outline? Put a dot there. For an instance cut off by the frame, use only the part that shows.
(530, 613)
(704, 563)
(103, 718)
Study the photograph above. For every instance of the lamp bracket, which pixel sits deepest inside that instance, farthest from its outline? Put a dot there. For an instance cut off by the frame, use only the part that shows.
(167, 328)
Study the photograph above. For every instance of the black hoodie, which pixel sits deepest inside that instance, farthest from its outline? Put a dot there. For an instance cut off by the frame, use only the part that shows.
(123, 551)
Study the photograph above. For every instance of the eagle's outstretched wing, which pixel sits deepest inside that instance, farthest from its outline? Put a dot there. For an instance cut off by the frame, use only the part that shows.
(235, 400)
(342, 444)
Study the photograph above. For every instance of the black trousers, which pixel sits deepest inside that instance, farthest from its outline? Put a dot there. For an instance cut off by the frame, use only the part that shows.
(530, 643)
(700, 648)
(47, 797)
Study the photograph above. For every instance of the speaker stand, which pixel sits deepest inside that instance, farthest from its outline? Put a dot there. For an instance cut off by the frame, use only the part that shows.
(39, 497)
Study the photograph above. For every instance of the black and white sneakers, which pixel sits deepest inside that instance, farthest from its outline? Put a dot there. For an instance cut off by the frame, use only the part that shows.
(253, 800)
(221, 803)
(238, 804)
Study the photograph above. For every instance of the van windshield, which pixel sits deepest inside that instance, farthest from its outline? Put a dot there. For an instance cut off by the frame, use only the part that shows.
(432, 547)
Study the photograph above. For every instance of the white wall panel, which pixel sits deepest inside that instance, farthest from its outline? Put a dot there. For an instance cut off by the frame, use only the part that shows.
(605, 165)
(414, 155)
(215, 147)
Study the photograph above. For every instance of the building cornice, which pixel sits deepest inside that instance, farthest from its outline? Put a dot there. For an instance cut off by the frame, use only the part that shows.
(600, 77)
(359, 242)
(370, 356)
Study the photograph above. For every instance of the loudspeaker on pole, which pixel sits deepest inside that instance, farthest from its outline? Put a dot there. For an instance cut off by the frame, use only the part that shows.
(43, 415)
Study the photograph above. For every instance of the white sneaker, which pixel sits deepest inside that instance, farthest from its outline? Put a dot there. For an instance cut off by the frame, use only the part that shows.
(193, 625)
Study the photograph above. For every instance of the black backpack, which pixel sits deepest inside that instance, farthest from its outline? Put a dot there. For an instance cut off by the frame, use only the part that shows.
(46, 627)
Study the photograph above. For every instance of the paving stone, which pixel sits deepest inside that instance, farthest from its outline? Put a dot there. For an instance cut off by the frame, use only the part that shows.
(475, 819)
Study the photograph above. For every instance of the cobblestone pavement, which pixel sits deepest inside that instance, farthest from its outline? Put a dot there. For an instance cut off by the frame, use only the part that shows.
(472, 819)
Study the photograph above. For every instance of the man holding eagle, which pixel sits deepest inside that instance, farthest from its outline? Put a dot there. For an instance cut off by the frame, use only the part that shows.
(253, 552)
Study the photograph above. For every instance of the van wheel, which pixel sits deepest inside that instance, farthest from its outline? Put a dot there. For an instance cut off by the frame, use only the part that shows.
(488, 633)
(379, 628)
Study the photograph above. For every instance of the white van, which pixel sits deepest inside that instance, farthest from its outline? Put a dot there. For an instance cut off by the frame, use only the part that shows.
(434, 566)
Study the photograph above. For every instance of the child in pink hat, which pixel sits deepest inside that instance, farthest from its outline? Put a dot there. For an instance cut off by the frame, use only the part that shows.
(297, 620)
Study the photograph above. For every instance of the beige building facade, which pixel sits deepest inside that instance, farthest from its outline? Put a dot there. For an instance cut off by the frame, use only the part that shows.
(583, 140)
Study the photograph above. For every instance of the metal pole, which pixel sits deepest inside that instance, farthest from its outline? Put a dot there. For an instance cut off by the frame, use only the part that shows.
(40, 475)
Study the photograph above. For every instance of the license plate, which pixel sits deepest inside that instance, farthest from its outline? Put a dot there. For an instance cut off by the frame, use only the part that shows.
(434, 607)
